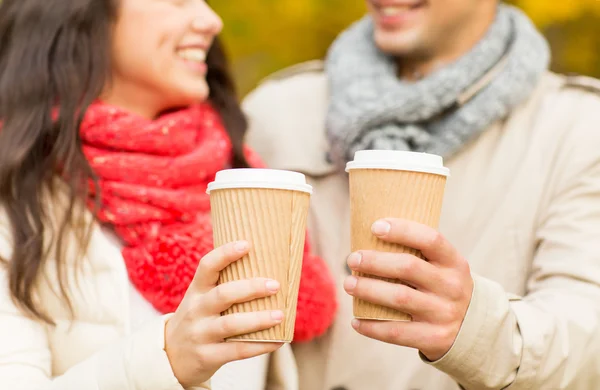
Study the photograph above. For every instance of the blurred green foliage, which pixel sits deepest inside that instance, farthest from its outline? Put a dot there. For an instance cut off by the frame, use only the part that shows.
(263, 36)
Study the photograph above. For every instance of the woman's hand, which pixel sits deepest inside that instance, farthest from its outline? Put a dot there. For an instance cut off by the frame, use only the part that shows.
(196, 332)
(439, 293)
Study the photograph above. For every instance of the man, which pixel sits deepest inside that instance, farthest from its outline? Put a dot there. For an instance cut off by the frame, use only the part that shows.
(509, 296)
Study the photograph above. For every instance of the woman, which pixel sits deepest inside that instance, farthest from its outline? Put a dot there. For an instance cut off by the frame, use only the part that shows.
(115, 116)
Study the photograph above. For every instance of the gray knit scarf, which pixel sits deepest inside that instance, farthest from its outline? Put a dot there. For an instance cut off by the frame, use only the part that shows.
(371, 108)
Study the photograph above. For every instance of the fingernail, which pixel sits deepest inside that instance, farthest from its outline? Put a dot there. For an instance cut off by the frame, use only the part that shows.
(277, 315)
(241, 246)
(381, 228)
(354, 260)
(355, 323)
(351, 282)
(272, 285)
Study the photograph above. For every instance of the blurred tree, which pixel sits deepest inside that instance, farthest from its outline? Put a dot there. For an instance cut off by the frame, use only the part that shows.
(547, 13)
(573, 29)
(263, 36)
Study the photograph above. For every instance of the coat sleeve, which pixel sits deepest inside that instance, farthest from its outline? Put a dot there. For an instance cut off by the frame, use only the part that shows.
(549, 338)
(138, 362)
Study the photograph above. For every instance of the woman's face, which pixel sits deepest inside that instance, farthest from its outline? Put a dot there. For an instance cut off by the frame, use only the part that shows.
(158, 52)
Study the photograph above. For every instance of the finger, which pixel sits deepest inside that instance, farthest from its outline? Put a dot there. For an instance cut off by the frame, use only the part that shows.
(432, 244)
(241, 323)
(223, 296)
(407, 334)
(207, 273)
(393, 295)
(216, 355)
(402, 266)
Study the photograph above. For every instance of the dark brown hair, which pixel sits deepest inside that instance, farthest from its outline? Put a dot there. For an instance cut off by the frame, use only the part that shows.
(55, 60)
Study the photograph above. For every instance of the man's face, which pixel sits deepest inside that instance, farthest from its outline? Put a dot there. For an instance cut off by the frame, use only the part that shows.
(425, 28)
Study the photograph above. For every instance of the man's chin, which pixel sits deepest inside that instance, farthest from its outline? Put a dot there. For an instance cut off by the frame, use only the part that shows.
(397, 43)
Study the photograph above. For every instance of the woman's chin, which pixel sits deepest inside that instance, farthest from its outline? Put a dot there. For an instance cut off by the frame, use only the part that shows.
(193, 93)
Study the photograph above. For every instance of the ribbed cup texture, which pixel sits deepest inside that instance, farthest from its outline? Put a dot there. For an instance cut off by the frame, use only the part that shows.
(377, 194)
(274, 222)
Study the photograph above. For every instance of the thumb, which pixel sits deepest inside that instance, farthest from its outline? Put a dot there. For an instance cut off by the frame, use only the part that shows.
(209, 268)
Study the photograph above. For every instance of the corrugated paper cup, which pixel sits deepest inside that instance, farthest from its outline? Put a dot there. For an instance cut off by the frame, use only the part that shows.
(392, 184)
(268, 208)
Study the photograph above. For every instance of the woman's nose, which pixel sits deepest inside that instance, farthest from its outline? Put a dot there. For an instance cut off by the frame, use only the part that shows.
(207, 21)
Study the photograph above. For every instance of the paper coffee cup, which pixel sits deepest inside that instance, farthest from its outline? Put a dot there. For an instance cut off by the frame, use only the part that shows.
(268, 208)
(392, 184)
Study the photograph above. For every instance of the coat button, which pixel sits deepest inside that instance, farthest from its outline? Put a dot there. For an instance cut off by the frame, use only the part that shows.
(348, 271)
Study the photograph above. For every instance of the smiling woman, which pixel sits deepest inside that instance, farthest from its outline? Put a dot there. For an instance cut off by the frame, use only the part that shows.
(164, 67)
(115, 115)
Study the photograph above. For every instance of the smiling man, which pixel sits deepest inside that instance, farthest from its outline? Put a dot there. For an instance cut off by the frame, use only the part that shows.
(509, 296)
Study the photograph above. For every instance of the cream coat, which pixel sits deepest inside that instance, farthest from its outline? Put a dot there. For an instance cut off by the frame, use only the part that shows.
(96, 349)
(522, 205)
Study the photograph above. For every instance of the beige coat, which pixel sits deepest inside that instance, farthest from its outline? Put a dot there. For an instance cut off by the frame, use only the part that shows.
(96, 349)
(522, 205)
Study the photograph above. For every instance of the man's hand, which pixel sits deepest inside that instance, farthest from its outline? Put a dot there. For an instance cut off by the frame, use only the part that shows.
(437, 291)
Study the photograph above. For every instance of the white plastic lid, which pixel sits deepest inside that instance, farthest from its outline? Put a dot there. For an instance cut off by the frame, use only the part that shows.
(259, 178)
(398, 160)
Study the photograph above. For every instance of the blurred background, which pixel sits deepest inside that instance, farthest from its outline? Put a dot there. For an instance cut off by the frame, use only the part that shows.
(263, 36)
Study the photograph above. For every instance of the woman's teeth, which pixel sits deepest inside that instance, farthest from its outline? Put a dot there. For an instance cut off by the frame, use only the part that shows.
(196, 55)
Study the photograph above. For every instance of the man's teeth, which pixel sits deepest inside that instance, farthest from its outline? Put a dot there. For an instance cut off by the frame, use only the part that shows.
(196, 55)
(394, 10)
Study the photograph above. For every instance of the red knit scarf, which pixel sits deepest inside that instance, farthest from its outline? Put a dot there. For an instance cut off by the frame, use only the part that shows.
(153, 177)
